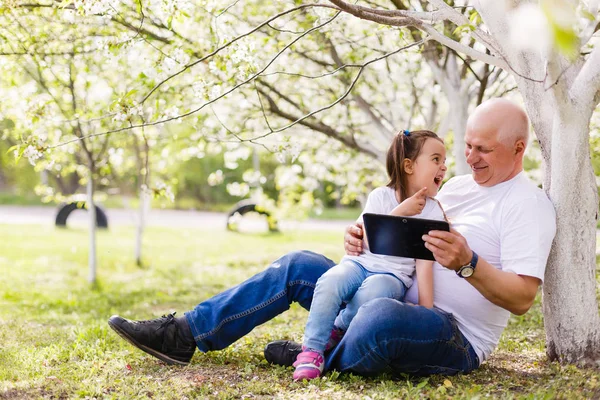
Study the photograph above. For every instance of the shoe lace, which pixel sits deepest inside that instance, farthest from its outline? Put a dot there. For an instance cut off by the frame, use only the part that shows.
(168, 319)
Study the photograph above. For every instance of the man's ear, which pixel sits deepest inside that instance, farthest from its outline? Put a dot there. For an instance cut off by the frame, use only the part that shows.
(519, 146)
(407, 165)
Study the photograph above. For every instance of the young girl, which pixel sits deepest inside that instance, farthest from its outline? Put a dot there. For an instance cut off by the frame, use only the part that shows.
(416, 167)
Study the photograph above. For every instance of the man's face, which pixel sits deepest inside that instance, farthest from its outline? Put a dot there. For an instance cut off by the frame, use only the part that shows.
(490, 160)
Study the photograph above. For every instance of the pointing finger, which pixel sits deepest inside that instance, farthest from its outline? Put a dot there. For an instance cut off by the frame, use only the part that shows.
(422, 193)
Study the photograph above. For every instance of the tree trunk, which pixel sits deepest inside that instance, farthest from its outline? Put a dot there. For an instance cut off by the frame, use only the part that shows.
(456, 90)
(459, 110)
(570, 305)
(91, 207)
(141, 224)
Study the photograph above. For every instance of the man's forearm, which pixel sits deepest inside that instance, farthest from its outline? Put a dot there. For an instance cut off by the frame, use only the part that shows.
(508, 290)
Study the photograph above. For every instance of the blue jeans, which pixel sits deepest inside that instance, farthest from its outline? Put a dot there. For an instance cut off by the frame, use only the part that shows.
(350, 283)
(385, 336)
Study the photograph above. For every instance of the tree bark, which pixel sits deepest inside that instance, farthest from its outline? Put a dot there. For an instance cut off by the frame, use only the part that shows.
(561, 122)
(141, 224)
(570, 305)
(91, 207)
(459, 110)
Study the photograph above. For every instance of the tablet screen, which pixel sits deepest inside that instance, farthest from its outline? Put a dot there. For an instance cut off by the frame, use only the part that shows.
(400, 236)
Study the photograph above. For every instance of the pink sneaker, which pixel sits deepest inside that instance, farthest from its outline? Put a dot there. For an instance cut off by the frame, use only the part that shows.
(309, 365)
(334, 338)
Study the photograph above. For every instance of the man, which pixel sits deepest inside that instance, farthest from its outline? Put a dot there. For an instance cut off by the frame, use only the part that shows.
(490, 264)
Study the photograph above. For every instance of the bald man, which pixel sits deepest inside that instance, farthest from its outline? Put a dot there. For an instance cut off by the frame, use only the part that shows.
(489, 265)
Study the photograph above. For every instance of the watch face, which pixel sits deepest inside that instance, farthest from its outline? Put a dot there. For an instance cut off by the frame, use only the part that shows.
(466, 271)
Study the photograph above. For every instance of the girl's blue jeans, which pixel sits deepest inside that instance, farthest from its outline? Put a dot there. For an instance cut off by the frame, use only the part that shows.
(386, 335)
(350, 283)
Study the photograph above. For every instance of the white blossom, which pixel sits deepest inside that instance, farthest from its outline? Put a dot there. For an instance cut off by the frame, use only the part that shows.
(252, 177)
(238, 189)
(165, 190)
(530, 29)
(32, 154)
(215, 91)
(215, 178)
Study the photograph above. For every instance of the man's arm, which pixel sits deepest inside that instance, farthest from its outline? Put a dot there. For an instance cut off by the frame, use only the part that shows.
(508, 290)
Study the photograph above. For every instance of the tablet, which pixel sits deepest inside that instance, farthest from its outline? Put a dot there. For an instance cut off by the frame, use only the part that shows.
(400, 236)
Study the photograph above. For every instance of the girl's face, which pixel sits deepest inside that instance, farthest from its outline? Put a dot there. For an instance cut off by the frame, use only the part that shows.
(428, 169)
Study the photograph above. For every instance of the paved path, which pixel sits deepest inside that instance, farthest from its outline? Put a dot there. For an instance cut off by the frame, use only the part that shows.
(22, 215)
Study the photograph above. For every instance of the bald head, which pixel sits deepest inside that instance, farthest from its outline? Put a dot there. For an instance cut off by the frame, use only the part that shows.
(506, 118)
(495, 141)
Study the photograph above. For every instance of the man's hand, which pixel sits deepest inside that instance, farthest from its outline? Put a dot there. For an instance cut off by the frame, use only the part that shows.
(450, 249)
(353, 239)
(413, 205)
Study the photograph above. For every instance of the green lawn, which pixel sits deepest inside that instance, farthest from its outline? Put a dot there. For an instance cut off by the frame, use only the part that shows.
(55, 343)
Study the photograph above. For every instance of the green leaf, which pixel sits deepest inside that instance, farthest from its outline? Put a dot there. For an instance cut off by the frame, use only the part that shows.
(567, 41)
(65, 3)
(475, 18)
(130, 93)
(13, 148)
(423, 383)
(20, 152)
(588, 15)
(463, 28)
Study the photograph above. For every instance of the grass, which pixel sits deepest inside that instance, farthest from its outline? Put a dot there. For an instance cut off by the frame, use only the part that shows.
(55, 343)
(341, 213)
(14, 199)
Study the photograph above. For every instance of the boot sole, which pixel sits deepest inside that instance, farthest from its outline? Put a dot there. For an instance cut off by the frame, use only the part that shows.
(152, 352)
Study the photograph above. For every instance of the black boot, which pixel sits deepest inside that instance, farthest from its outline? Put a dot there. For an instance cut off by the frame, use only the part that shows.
(282, 352)
(166, 338)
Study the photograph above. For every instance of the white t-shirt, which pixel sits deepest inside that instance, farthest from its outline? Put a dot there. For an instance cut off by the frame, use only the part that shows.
(510, 225)
(382, 201)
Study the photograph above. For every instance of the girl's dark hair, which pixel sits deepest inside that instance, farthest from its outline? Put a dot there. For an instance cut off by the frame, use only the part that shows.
(405, 146)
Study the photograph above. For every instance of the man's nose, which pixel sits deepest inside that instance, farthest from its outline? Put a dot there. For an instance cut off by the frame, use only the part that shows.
(471, 157)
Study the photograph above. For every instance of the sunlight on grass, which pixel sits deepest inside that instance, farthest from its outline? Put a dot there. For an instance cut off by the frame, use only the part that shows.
(55, 341)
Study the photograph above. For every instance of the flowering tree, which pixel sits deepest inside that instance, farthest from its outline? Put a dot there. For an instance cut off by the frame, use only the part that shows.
(60, 76)
(559, 80)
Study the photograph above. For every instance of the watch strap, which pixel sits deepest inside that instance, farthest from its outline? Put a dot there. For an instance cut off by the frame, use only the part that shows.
(471, 265)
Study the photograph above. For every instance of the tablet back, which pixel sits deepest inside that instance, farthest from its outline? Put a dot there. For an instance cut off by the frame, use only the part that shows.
(400, 236)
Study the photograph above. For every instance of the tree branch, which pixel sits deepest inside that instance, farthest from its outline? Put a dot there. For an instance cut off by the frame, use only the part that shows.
(341, 97)
(318, 127)
(450, 14)
(378, 16)
(364, 105)
(406, 20)
(265, 23)
(459, 47)
(586, 86)
(250, 79)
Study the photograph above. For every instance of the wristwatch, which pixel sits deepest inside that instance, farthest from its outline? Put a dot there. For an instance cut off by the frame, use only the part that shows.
(467, 270)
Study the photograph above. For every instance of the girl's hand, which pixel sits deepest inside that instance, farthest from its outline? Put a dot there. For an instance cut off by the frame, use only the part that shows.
(414, 205)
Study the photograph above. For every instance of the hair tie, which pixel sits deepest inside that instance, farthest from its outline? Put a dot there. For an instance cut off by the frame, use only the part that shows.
(406, 132)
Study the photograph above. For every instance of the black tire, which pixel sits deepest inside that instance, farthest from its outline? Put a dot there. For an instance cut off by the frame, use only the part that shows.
(246, 206)
(66, 209)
